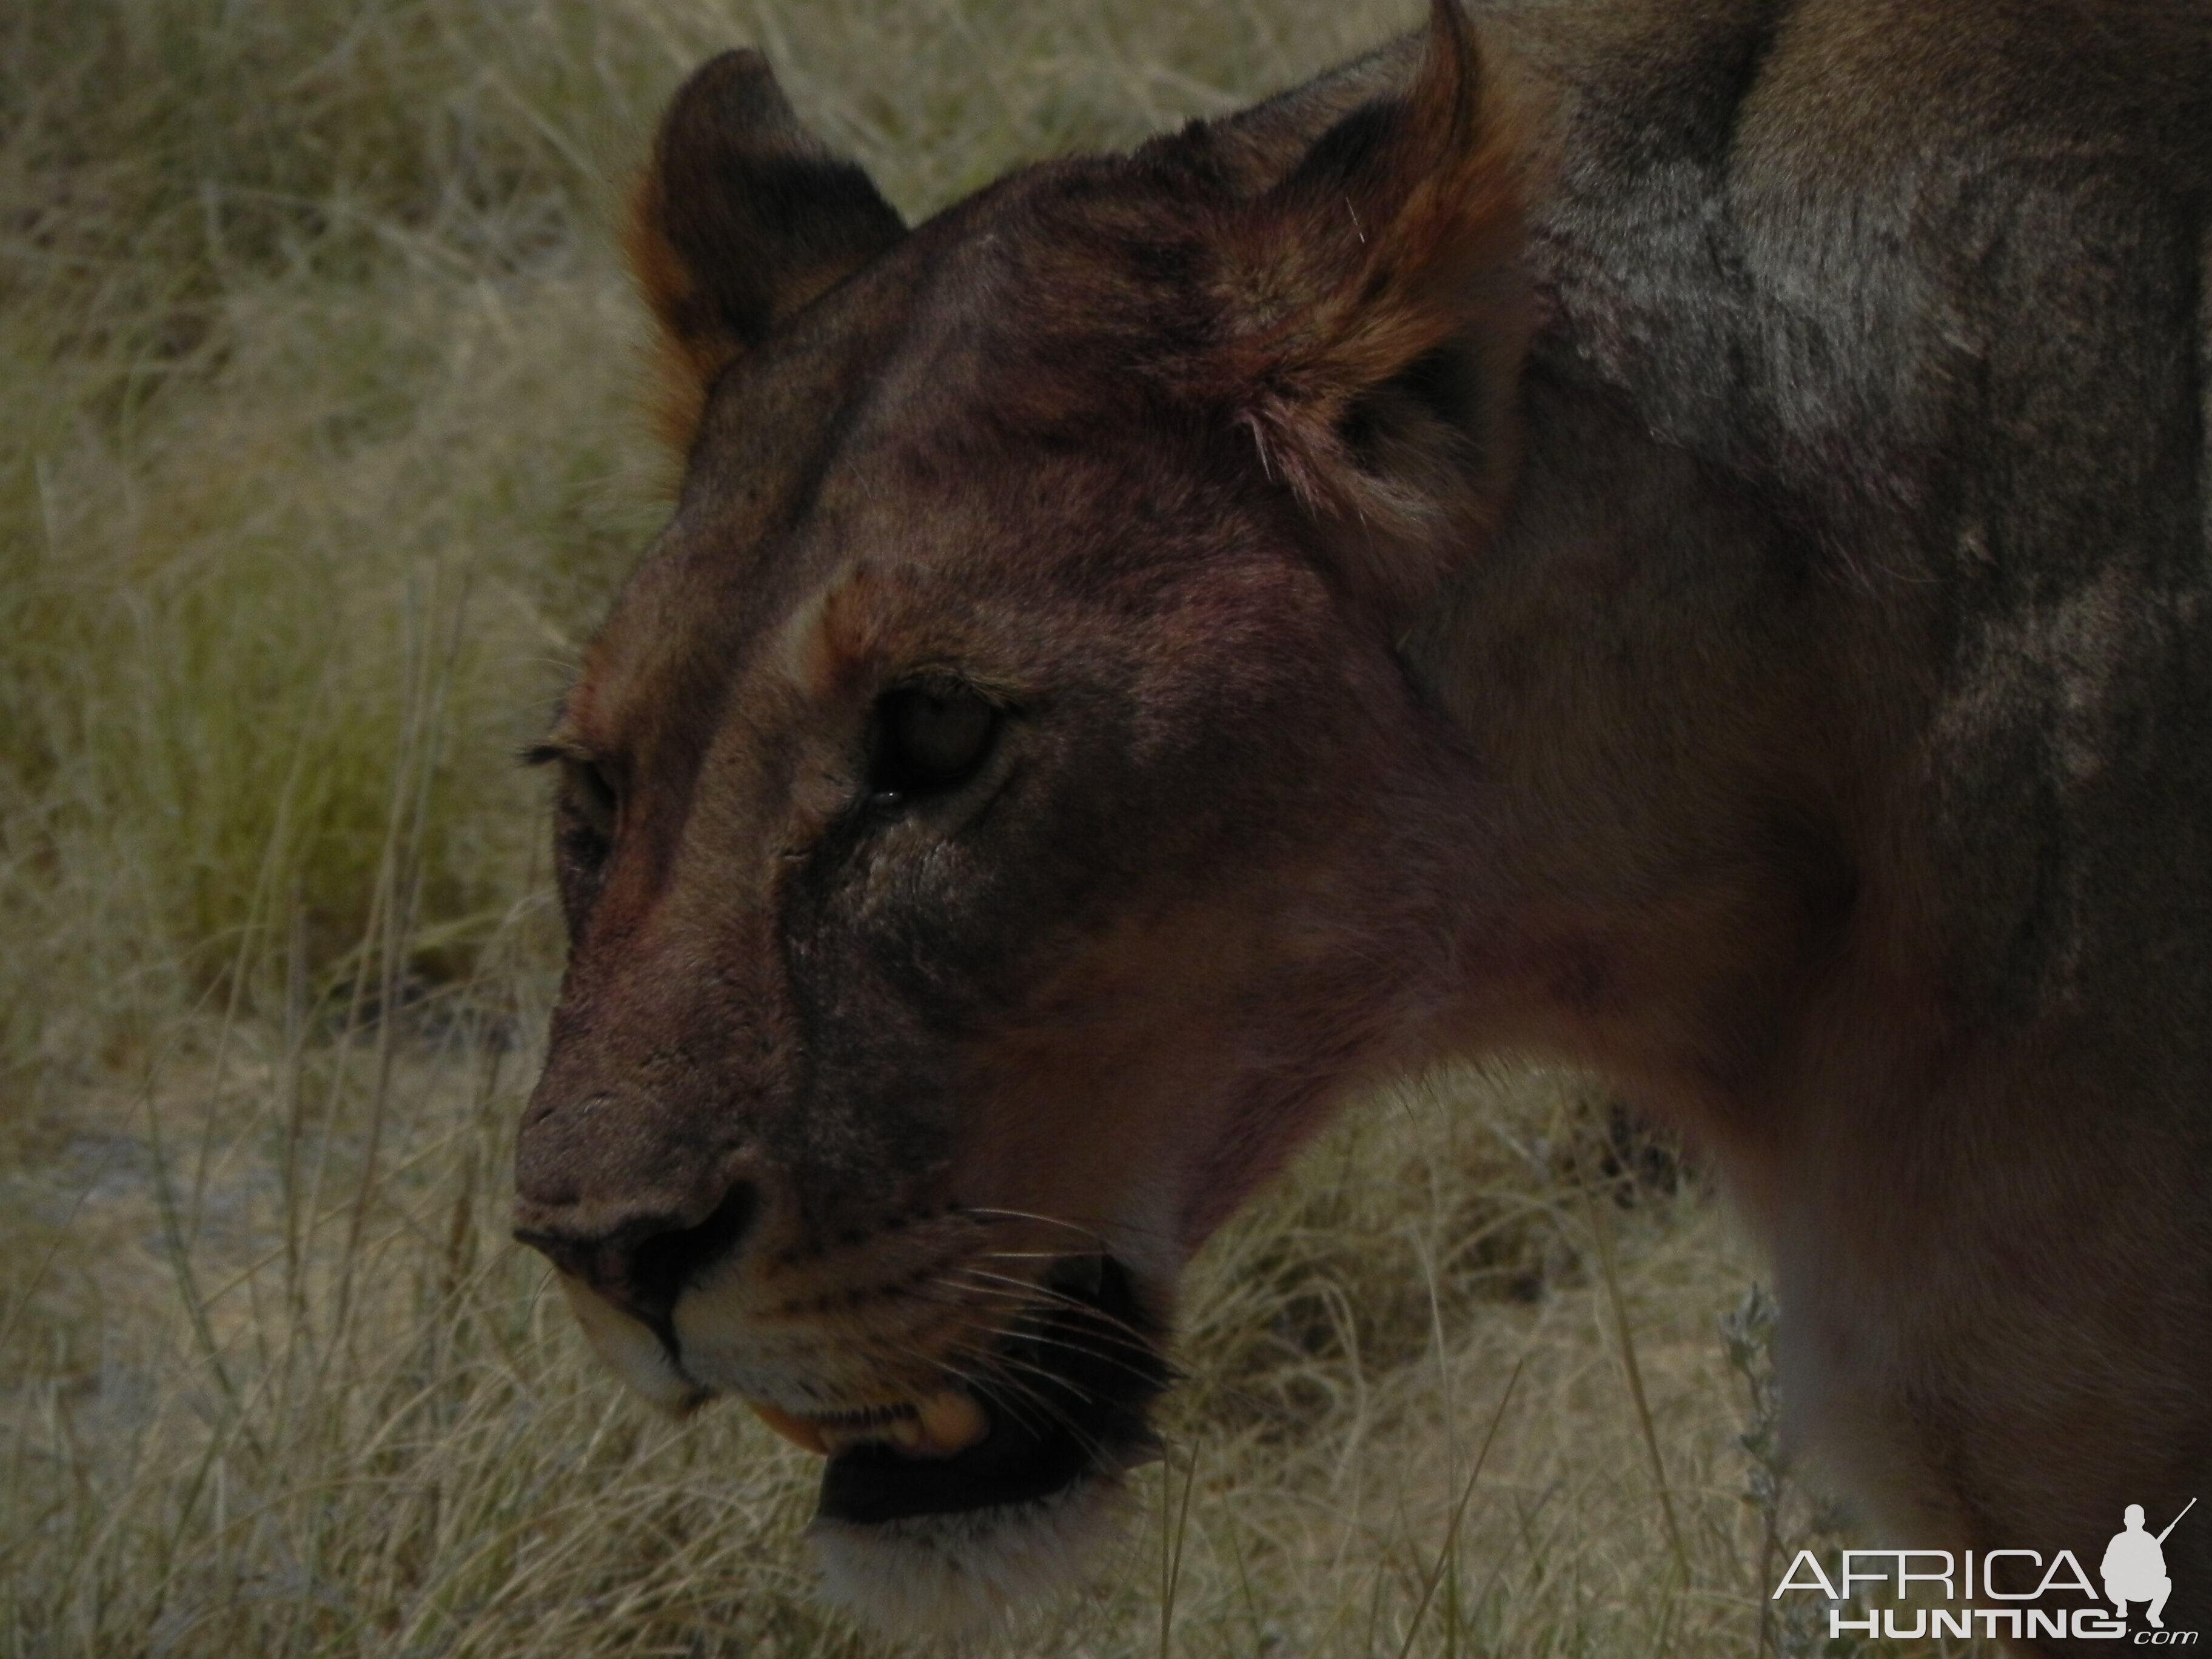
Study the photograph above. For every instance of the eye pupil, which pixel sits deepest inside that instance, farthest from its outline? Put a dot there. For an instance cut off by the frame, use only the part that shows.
(942, 736)
(930, 739)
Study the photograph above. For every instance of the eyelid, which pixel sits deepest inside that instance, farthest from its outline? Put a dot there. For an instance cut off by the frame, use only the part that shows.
(550, 752)
(588, 792)
(567, 751)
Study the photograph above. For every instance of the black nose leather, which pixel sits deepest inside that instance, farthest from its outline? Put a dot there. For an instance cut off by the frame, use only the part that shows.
(644, 1264)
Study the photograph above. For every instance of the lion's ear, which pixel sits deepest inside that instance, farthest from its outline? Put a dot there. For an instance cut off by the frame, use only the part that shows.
(743, 217)
(1376, 310)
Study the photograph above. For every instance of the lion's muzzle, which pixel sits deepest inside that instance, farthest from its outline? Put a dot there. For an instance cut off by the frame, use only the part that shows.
(935, 1383)
(643, 1262)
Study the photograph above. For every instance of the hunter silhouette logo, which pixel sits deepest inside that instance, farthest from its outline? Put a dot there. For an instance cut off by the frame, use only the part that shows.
(2134, 1570)
(2135, 1565)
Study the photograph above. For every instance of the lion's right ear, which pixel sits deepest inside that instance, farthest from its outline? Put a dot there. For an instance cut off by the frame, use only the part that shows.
(1370, 314)
(742, 218)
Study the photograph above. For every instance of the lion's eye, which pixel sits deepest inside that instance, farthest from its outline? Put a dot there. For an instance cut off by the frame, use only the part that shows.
(928, 739)
(592, 798)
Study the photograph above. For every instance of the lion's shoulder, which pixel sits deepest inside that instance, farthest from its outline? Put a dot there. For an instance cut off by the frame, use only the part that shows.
(1807, 239)
(1928, 281)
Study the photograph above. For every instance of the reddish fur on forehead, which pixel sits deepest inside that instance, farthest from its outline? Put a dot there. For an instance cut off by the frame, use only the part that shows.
(832, 640)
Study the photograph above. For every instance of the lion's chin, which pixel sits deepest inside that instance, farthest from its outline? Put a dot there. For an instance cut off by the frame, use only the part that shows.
(947, 1544)
(957, 1573)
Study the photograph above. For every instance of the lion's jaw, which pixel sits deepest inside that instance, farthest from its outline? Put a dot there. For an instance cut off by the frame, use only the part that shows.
(945, 1503)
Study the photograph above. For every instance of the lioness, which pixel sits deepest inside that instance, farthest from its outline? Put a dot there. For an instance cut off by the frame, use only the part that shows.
(1671, 536)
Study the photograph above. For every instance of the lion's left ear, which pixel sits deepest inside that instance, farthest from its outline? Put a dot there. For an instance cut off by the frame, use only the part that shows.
(1374, 311)
(742, 218)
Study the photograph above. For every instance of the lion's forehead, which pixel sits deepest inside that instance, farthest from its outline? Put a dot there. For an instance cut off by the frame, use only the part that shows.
(919, 467)
(1040, 571)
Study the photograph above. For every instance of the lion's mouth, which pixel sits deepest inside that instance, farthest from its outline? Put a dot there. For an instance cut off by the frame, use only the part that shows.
(1068, 1393)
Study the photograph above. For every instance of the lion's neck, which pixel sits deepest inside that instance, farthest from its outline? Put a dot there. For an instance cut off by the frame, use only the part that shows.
(1642, 659)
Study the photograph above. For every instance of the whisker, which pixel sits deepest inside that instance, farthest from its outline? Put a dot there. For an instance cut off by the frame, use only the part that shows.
(983, 1212)
(1045, 1295)
(996, 1384)
(998, 1359)
(1098, 1239)
(987, 1380)
(1129, 1355)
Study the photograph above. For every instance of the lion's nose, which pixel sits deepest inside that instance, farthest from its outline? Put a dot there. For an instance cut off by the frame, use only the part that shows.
(644, 1262)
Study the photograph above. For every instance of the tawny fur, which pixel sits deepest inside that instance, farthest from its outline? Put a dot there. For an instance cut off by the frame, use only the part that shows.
(1669, 538)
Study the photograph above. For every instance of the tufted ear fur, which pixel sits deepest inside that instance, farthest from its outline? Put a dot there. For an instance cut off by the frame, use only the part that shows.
(743, 217)
(1372, 314)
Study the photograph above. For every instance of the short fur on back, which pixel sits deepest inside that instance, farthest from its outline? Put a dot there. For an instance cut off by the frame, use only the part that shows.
(1671, 537)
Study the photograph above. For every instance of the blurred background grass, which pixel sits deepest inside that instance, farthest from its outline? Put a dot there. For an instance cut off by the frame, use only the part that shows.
(318, 451)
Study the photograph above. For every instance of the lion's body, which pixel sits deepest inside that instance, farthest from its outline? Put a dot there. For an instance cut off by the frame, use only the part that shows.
(1873, 727)
(1709, 577)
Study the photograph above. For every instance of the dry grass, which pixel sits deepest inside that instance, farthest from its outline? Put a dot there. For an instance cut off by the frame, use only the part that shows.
(317, 452)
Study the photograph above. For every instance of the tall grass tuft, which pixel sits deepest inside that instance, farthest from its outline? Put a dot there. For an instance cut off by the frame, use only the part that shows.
(318, 453)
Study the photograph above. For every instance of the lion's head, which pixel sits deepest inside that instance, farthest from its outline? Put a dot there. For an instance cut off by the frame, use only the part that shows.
(994, 824)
